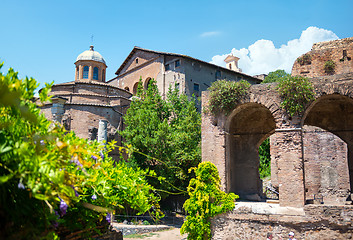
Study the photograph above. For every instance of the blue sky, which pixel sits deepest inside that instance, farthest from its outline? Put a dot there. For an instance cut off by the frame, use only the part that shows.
(42, 39)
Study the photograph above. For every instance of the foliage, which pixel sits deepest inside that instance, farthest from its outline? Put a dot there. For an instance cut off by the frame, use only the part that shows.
(304, 59)
(206, 201)
(329, 67)
(265, 159)
(295, 92)
(275, 76)
(49, 176)
(164, 136)
(225, 95)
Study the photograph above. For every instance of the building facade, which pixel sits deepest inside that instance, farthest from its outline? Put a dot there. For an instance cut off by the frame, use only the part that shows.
(89, 106)
(190, 75)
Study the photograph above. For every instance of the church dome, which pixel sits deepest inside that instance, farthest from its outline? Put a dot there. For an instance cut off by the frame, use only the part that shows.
(91, 55)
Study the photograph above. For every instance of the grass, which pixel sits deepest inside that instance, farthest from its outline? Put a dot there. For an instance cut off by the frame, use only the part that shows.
(143, 235)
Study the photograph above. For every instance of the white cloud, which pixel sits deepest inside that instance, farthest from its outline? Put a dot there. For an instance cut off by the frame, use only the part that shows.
(210, 34)
(264, 57)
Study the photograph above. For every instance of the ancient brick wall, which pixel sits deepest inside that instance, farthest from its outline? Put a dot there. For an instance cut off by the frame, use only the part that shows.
(254, 221)
(312, 64)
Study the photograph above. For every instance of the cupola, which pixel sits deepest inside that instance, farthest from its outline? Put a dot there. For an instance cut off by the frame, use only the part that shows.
(232, 63)
(90, 66)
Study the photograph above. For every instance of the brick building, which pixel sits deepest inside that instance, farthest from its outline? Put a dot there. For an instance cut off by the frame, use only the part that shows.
(190, 75)
(89, 106)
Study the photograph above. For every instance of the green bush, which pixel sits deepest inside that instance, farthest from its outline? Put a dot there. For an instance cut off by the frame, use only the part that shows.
(304, 59)
(52, 182)
(265, 159)
(295, 92)
(329, 67)
(206, 201)
(225, 95)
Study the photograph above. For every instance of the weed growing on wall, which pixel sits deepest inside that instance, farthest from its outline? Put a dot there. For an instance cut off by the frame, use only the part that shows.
(329, 67)
(206, 201)
(225, 95)
(295, 92)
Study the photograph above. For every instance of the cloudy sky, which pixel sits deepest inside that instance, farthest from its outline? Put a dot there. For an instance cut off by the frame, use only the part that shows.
(42, 39)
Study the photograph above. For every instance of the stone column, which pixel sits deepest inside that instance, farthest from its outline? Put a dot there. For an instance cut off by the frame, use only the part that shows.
(290, 167)
(80, 72)
(57, 109)
(90, 73)
(102, 130)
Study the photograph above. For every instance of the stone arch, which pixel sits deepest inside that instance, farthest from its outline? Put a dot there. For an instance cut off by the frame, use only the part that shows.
(134, 89)
(247, 126)
(147, 82)
(328, 161)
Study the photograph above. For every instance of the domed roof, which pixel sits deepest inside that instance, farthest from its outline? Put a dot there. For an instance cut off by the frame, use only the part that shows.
(91, 55)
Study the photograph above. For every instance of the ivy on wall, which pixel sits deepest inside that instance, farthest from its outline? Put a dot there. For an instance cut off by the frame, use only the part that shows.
(225, 95)
(295, 92)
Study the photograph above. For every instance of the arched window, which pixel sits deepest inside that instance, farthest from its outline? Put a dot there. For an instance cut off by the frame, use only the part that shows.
(127, 89)
(85, 72)
(95, 73)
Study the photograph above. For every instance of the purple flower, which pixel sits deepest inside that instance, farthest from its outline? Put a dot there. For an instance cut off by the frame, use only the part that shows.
(77, 162)
(63, 207)
(42, 142)
(109, 217)
(94, 157)
(94, 197)
(102, 155)
(21, 186)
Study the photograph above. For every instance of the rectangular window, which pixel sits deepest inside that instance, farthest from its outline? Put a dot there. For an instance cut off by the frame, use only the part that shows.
(167, 67)
(177, 63)
(196, 87)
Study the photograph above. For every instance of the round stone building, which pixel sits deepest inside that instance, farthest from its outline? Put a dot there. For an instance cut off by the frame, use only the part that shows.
(89, 106)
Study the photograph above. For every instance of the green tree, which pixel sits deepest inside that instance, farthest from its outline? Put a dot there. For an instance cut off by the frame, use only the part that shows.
(49, 176)
(206, 201)
(275, 76)
(265, 159)
(164, 135)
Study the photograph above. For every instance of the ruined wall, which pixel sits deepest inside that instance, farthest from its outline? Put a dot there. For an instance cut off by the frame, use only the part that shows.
(339, 51)
(254, 221)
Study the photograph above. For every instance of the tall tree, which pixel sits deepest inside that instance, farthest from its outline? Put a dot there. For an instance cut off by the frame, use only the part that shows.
(275, 76)
(165, 136)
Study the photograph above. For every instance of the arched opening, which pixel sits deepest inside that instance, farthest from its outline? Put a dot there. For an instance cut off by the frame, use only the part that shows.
(85, 72)
(134, 89)
(95, 73)
(147, 83)
(248, 126)
(328, 159)
(127, 89)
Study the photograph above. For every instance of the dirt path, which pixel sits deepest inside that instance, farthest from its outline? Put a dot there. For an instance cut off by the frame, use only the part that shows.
(172, 234)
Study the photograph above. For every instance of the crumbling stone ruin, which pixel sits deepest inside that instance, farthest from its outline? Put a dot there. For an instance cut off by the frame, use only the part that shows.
(311, 154)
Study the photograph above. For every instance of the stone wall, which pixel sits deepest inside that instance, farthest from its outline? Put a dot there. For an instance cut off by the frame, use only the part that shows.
(338, 51)
(255, 220)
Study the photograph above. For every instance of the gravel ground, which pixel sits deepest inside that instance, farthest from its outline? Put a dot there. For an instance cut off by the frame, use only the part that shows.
(171, 234)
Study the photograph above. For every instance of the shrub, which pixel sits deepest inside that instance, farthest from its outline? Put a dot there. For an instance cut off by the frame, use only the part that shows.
(304, 59)
(329, 67)
(225, 95)
(206, 201)
(295, 92)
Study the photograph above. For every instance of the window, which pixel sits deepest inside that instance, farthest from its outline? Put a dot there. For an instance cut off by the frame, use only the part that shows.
(177, 86)
(177, 63)
(230, 66)
(196, 87)
(218, 74)
(103, 75)
(95, 73)
(167, 67)
(85, 72)
(137, 61)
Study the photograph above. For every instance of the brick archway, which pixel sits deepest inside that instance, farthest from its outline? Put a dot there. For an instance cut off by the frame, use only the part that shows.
(247, 127)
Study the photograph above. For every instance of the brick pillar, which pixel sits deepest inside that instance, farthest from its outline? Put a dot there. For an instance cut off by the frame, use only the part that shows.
(80, 72)
(90, 73)
(290, 168)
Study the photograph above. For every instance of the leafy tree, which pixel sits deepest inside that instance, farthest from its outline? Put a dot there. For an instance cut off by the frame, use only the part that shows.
(265, 159)
(164, 135)
(275, 76)
(49, 176)
(206, 201)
